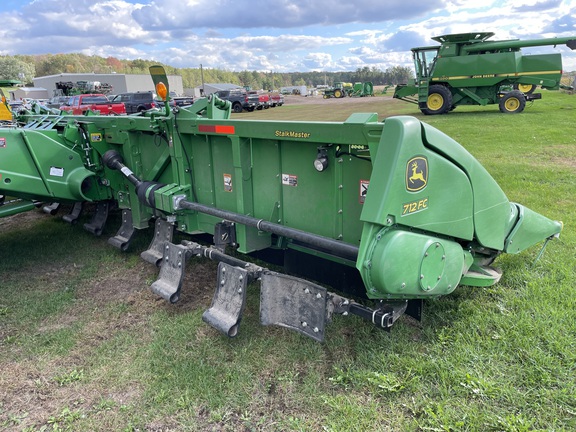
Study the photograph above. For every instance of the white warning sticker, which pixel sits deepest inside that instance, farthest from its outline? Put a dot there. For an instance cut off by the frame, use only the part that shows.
(57, 172)
(363, 190)
(289, 180)
(227, 183)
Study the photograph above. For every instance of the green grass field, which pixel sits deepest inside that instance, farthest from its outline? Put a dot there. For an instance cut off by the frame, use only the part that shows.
(85, 345)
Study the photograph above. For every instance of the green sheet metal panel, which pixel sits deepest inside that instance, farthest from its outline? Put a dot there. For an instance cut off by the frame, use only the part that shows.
(266, 175)
(355, 186)
(417, 187)
(309, 197)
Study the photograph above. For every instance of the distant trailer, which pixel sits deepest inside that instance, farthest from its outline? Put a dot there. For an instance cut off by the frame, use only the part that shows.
(300, 90)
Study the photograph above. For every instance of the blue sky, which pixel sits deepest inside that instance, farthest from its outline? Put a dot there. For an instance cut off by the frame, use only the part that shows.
(273, 35)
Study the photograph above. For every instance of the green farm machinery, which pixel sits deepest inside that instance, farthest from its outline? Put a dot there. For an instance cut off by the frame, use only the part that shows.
(339, 90)
(386, 214)
(362, 89)
(469, 69)
(342, 89)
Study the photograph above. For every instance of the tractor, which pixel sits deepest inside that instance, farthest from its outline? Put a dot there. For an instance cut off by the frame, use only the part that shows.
(339, 90)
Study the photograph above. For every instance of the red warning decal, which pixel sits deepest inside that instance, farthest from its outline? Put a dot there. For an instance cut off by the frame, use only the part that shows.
(219, 129)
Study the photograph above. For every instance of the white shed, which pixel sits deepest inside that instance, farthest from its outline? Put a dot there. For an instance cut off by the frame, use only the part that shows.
(28, 92)
(208, 89)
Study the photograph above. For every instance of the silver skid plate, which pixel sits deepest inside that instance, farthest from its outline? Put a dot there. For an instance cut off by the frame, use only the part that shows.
(171, 275)
(293, 303)
(229, 299)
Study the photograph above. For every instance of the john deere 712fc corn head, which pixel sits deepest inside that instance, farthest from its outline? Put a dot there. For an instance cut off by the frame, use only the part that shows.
(393, 211)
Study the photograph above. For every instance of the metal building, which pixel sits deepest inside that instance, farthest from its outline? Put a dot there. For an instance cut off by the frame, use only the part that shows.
(120, 83)
(28, 92)
(207, 89)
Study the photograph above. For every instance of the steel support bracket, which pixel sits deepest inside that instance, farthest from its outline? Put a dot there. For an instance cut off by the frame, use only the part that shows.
(229, 299)
(51, 208)
(74, 214)
(163, 233)
(98, 221)
(224, 235)
(171, 274)
(126, 232)
(384, 316)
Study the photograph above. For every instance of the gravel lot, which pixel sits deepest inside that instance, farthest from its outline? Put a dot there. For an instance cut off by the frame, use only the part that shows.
(319, 100)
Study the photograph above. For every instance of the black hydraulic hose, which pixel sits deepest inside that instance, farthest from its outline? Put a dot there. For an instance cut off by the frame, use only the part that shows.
(335, 247)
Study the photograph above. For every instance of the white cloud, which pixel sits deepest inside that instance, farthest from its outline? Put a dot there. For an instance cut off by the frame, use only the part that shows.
(293, 35)
(318, 61)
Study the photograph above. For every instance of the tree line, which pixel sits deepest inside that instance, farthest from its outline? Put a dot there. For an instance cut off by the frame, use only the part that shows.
(26, 67)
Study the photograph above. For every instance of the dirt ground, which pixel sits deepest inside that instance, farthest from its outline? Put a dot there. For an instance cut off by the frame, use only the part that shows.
(30, 395)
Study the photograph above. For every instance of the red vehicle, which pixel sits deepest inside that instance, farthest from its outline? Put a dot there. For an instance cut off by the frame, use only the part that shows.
(276, 99)
(79, 104)
(260, 100)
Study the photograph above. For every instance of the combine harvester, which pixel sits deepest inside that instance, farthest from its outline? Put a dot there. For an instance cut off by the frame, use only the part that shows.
(395, 212)
(469, 69)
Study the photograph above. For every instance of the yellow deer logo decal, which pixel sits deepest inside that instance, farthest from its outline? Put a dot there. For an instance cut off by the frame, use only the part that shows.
(416, 174)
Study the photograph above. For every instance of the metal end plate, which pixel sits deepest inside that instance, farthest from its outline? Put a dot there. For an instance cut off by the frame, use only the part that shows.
(293, 303)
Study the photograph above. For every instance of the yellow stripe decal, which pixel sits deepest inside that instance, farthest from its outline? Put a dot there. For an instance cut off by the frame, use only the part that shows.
(514, 74)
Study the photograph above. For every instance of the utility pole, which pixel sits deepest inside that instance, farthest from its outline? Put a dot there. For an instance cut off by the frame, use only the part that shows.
(202, 78)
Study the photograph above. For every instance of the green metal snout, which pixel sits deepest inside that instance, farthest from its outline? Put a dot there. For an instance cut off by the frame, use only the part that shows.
(530, 228)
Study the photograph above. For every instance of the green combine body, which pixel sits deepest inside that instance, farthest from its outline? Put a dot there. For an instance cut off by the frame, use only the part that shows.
(468, 69)
(391, 211)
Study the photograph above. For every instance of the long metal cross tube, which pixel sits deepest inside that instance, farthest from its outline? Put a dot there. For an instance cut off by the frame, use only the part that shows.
(335, 247)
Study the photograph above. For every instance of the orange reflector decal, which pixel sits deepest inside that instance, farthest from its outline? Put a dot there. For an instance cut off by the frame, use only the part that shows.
(219, 129)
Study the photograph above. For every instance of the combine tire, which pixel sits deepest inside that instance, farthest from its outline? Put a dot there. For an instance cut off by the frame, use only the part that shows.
(525, 88)
(439, 100)
(512, 102)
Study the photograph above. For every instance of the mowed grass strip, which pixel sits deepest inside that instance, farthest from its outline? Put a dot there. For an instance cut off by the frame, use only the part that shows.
(84, 345)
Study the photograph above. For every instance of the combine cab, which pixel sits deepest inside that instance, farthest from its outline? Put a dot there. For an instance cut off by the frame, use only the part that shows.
(468, 69)
(391, 212)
